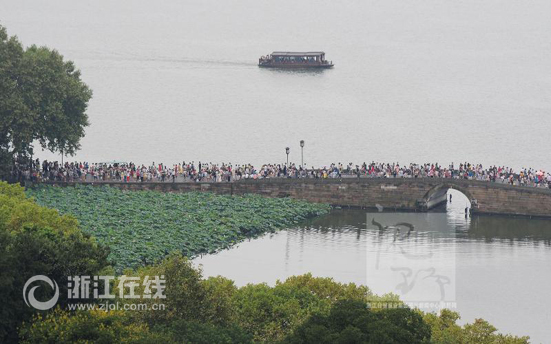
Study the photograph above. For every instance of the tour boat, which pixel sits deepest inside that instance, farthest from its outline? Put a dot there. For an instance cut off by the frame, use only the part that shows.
(288, 59)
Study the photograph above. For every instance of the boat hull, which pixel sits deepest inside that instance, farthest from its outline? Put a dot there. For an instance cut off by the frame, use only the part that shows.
(296, 66)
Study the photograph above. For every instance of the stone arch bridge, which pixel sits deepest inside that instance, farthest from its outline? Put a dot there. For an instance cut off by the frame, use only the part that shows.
(401, 194)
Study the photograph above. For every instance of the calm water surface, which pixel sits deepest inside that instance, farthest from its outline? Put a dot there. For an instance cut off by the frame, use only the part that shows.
(429, 80)
(497, 268)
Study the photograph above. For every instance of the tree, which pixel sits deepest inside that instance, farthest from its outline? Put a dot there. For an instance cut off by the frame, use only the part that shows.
(445, 330)
(95, 326)
(42, 99)
(270, 313)
(197, 332)
(351, 321)
(38, 241)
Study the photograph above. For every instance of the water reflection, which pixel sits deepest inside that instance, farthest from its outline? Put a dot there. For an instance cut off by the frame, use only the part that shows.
(338, 244)
(510, 230)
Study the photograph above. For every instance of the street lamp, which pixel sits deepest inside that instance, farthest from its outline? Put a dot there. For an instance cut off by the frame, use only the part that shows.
(302, 153)
(31, 162)
(287, 149)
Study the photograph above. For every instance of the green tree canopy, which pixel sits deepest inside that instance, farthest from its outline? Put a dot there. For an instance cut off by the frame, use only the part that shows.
(300, 310)
(38, 241)
(351, 321)
(42, 99)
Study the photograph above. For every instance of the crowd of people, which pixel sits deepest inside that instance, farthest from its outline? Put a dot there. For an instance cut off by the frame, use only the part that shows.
(209, 172)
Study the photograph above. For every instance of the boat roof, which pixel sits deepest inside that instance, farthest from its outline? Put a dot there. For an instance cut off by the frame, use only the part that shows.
(295, 53)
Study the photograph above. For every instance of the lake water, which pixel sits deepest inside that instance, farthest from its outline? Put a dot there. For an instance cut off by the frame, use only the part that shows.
(429, 80)
(496, 268)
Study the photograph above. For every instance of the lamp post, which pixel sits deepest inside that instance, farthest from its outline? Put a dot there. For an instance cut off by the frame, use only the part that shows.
(287, 149)
(32, 163)
(302, 153)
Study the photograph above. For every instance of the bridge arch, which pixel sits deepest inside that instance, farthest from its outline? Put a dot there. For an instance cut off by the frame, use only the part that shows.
(437, 195)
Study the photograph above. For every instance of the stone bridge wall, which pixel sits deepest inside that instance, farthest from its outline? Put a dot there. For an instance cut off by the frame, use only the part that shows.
(392, 194)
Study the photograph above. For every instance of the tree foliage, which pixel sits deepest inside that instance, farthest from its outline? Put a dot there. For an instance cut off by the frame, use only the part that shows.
(270, 313)
(42, 99)
(445, 330)
(93, 326)
(351, 321)
(38, 241)
(302, 309)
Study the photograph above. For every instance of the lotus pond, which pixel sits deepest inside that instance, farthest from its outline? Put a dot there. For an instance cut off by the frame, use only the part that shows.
(141, 227)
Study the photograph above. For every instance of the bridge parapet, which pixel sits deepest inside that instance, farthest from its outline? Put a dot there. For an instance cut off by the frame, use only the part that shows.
(401, 194)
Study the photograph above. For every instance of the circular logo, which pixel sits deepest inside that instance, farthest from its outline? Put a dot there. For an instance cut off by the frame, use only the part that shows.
(32, 301)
